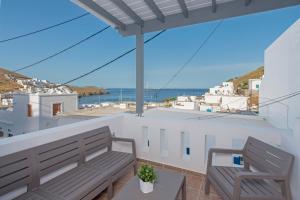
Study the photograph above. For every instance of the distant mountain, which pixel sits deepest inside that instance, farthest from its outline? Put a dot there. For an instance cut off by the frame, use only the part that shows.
(88, 90)
(241, 82)
(8, 83)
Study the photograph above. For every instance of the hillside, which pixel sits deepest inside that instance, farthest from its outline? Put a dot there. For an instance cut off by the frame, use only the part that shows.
(88, 90)
(8, 84)
(241, 82)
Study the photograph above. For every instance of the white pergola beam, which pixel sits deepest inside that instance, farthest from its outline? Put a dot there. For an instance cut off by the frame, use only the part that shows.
(247, 2)
(204, 14)
(90, 4)
(154, 8)
(214, 6)
(183, 7)
(126, 9)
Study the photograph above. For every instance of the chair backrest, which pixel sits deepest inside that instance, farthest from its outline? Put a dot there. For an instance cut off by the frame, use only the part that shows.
(267, 158)
(15, 171)
(25, 168)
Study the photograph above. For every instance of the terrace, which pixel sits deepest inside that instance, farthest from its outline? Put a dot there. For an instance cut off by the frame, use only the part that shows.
(163, 136)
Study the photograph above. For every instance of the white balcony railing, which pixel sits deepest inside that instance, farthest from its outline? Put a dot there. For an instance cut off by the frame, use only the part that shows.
(180, 139)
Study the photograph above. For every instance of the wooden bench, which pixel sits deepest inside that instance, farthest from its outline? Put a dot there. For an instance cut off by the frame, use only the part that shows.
(85, 180)
(265, 175)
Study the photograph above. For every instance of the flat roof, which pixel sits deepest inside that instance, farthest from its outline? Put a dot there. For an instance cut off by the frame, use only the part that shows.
(131, 17)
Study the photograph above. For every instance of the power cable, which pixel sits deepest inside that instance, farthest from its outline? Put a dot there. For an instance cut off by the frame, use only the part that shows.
(192, 56)
(110, 62)
(43, 29)
(62, 51)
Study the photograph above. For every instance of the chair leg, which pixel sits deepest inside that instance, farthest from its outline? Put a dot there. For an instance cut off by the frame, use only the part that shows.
(286, 190)
(207, 186)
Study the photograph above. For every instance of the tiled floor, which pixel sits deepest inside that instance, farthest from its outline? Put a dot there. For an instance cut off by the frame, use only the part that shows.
(195, 184)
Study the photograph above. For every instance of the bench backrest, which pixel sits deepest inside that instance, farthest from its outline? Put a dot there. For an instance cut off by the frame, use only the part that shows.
(25, 168)
(267, 158)
(15, 171)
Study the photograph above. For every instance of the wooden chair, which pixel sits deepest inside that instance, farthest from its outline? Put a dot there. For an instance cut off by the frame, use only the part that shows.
(265, 175)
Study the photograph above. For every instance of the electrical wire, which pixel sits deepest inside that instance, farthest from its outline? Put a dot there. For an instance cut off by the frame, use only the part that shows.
(180, 69)
(43, 29)
(110, 62)
(63, 50)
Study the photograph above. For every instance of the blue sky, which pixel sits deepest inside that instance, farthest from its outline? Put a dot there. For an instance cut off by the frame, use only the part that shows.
(237, 46)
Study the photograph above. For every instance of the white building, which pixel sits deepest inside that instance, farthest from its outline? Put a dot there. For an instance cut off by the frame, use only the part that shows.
(234, 103)
(212, 99)
(186, 103)
(254, 85)
(226, 88)
(282, 70)
(33, 112)
(216, 103)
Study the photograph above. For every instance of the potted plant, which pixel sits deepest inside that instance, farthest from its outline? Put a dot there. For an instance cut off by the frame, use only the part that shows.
(147, 178)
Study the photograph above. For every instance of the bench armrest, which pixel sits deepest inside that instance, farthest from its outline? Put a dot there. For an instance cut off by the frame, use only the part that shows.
(221, 151)
(252, 175)
(117, 139)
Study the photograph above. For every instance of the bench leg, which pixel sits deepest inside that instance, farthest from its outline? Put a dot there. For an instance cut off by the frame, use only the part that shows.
(135, 168)
(110, 191)
(207, 186)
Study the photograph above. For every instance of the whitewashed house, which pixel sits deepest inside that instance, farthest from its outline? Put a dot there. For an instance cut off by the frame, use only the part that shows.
(254, 85)
(186, 103)
(32, 112)
(226, 88)
(234, 103)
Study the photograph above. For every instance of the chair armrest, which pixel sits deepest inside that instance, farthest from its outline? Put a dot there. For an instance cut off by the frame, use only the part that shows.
(221, 151)
(252, 175)
(259, 175)
(117, 139)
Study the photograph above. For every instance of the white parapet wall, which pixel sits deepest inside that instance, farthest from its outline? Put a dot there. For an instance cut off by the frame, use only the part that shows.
(169, 136)
(163, 136)
(282, 72)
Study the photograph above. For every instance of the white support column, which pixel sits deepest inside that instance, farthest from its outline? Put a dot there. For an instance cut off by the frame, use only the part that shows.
(139, 73)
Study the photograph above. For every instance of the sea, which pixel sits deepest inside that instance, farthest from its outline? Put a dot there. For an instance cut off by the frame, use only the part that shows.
(128, 94)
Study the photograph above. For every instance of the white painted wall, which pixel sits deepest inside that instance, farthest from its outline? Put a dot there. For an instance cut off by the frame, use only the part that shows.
(47, 120)
(225, 131)
(254, 84)
(234, 103)
(282, 72)
(185, 105)
(282, 59)
(42, 106)
(212, 99)
(6, 125)
(23, 123)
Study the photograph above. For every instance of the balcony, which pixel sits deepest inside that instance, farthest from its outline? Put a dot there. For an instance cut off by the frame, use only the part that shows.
(171, 139)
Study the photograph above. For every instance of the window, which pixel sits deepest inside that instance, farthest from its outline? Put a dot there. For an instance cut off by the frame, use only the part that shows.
(29, 110)
(257, 86)
(56, 109)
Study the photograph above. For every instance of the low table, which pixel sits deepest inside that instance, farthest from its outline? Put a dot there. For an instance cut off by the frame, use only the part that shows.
(169, 186)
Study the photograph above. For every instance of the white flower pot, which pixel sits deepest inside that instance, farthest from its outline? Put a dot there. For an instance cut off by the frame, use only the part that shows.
(146, 187)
